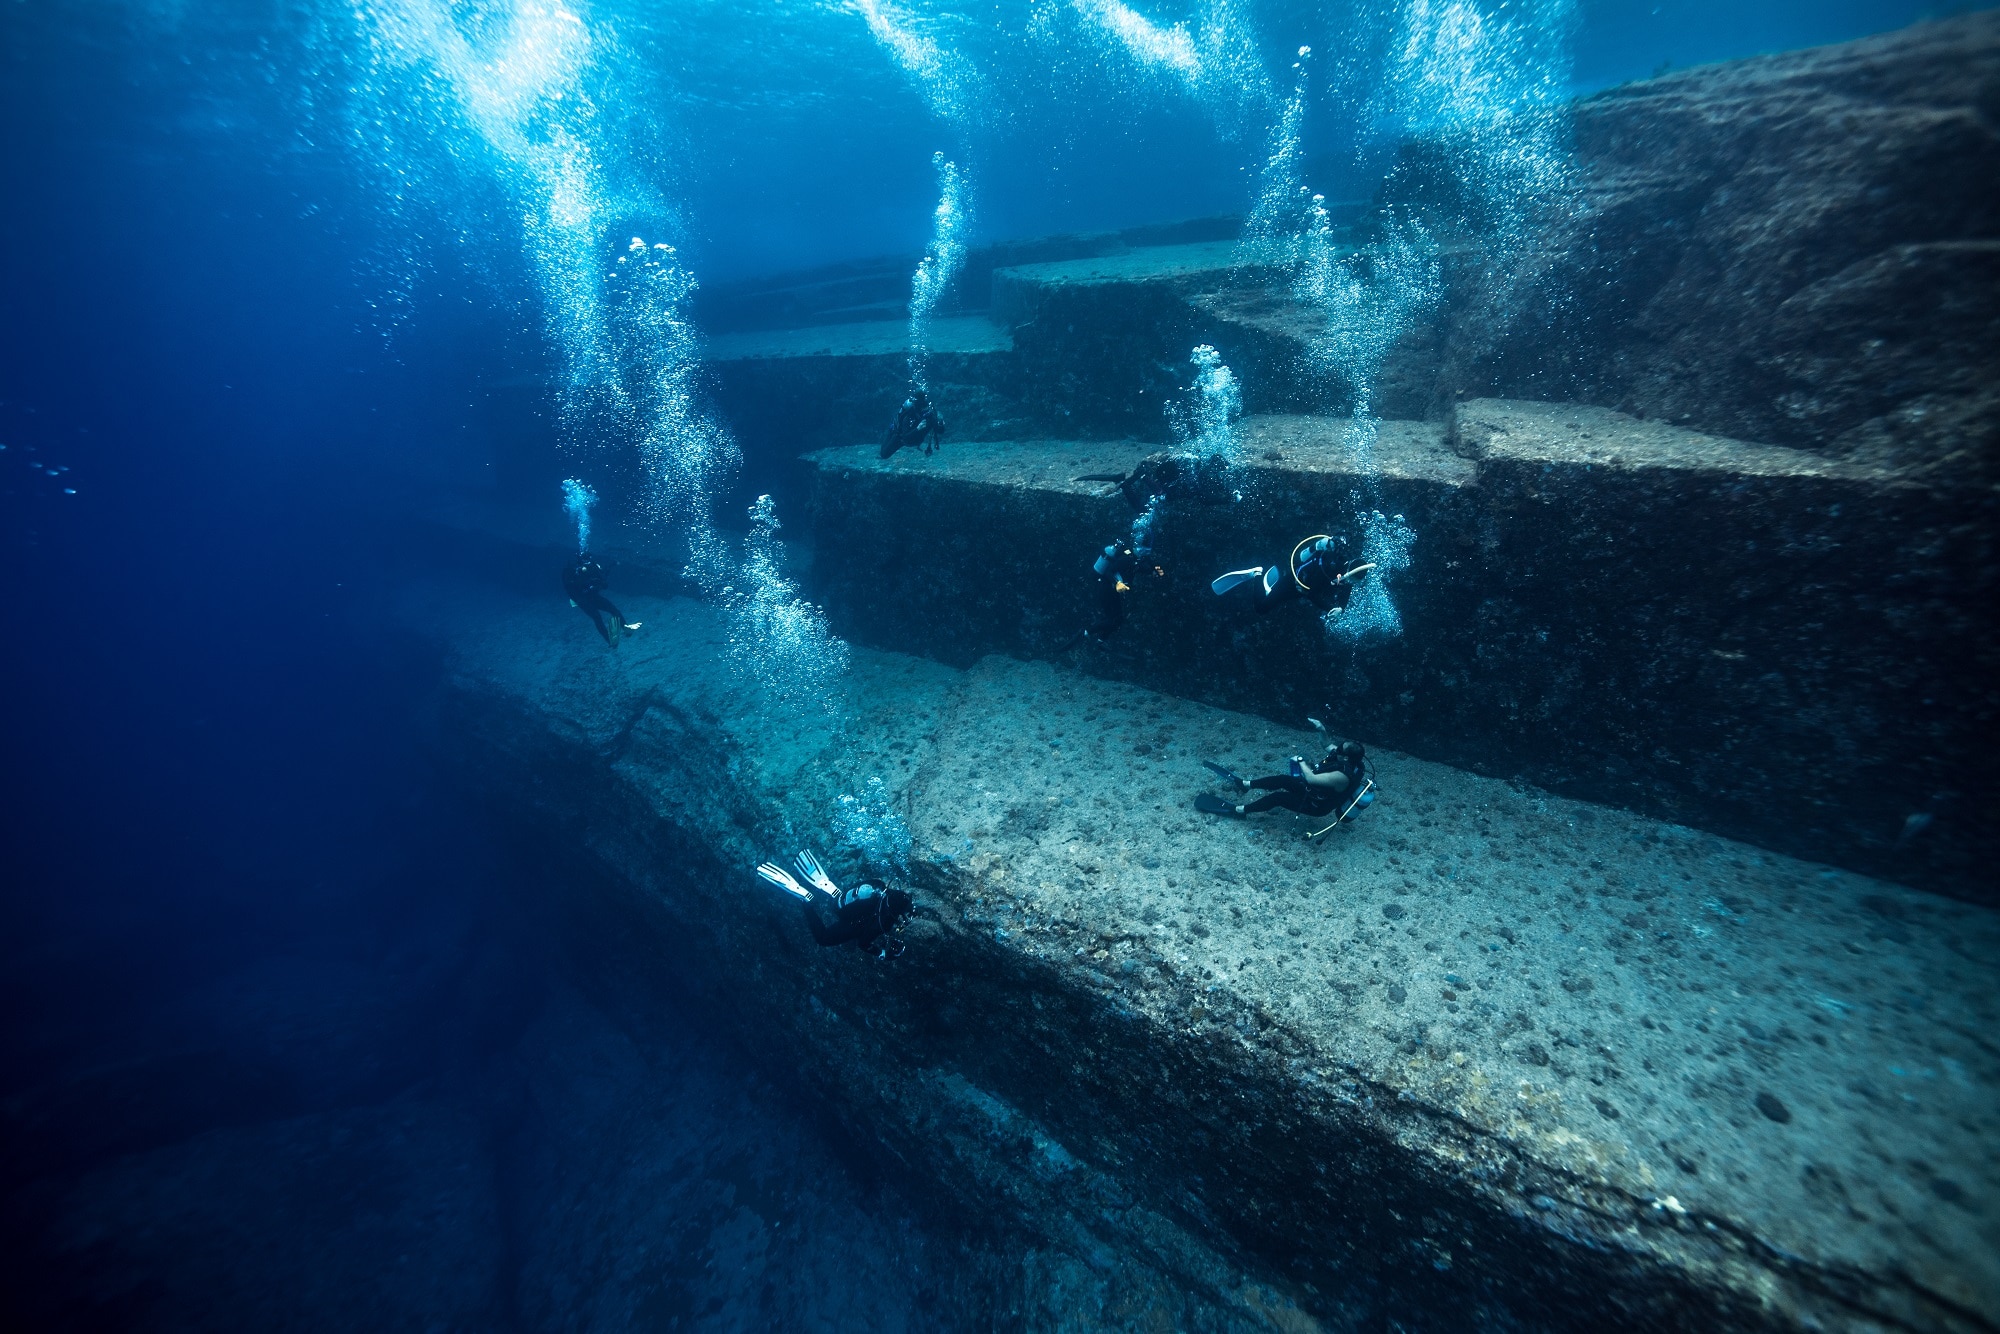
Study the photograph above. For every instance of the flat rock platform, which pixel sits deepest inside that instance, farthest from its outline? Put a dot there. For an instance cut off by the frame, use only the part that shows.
(1486, 1056)
(1751, 639)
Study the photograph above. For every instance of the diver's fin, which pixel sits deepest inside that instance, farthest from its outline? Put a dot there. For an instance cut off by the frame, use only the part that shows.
(1211, 804)
(1223, 583)
(810, 868)
(1224, 774)
(782, 878)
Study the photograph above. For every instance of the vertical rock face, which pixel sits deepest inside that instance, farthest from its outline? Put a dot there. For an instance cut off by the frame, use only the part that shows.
(1803, 249)
(1748, 638)
(1482, 1058)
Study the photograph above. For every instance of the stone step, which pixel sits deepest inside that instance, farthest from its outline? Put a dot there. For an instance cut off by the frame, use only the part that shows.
(1748, 639)
(1485, 1055)
(1104, 343)
(1093, 347)
(792, 389)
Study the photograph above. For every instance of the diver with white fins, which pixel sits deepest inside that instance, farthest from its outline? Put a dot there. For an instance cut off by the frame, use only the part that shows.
(869, 917)
(584, 581)
(1314, 571)
(1340, 784)
(917, 423)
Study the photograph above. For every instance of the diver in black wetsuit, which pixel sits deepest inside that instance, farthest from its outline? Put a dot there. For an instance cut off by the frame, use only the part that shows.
(1120, 563)
(1338, 785)
(869, 917)
(1314, 571)
(917, 423)
(584, 581)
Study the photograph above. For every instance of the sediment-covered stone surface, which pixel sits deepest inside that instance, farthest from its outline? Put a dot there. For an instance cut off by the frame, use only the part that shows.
(1753, 639)
(1487, 1056)
(1802, 248)
(789, 390)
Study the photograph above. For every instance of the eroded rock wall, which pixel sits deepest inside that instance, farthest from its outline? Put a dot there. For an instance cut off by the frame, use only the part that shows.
(1174, 1070)
(1802, 248)
(1749, 639)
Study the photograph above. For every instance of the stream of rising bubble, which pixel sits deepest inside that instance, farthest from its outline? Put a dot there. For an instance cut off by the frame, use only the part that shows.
(521, 88)
(1212, 60)
(939, 265)
(577, 501)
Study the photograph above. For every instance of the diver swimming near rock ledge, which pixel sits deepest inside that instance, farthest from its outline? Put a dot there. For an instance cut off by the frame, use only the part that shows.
(1121, 562)
(584, 581)
(868, 917)
(1341, 783)
(917, 423)
(1312, 571)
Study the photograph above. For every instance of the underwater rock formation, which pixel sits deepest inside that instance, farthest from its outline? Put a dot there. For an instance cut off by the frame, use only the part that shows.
(1487, 1056)
(1803, 248)
(1752, 639)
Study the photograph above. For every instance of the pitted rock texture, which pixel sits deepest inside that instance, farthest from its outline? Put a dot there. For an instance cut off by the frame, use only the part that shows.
(1802, 248)
(1754, 639)
(1485, 1056)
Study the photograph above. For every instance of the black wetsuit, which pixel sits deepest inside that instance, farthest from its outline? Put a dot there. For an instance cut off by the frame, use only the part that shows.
(584, 582)
(1319, 570)
(1115, 570)
(917, 423)
(1296, 794)
(1315, 577)
(863, 918)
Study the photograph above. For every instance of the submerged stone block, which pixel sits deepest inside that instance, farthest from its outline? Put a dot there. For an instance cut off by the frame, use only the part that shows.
(1486, 1056)
(1802, 248)
(1752, 639)
(783, 390)
(1103, 343)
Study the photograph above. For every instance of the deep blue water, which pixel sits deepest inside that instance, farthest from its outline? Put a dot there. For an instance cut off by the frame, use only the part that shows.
(234, 348)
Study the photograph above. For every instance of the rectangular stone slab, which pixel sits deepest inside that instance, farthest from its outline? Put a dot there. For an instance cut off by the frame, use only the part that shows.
(1485, 1054)
(1755, 640)
(792, 389)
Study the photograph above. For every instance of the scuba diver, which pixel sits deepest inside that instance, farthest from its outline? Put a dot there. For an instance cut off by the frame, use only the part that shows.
(584, 582)
(1340, 784)
(917, 423)
(1151, 480)
(1121, 562)
(1313, 571)
(872, 918)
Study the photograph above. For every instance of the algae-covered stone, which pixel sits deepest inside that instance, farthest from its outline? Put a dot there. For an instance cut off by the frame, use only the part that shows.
(1755, 639)
(1170, 1051)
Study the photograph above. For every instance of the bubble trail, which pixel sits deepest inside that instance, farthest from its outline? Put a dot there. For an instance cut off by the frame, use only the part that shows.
(1215, 63)
(578, 500)
(528, 89)
(1371, 613)
(945, 79)
(1204, 424)
(781, 639)
(870, 828)
(939, 265)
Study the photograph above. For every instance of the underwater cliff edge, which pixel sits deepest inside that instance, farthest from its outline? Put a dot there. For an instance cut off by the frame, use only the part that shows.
(1587, 1022)
(1387, 672)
